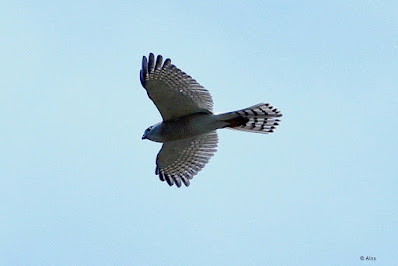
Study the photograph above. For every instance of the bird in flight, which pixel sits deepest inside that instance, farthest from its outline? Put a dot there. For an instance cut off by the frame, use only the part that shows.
(188, 130)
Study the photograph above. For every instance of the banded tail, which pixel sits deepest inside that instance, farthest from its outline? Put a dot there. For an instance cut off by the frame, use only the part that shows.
(260, 118)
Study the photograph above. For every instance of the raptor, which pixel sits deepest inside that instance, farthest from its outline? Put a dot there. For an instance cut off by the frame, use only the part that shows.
(188, 130)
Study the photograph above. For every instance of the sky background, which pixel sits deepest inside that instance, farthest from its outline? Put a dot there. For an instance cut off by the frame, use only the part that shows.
(77, 182)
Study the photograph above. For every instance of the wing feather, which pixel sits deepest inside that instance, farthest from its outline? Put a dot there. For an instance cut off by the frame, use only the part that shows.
(178, 161)
(174, 93)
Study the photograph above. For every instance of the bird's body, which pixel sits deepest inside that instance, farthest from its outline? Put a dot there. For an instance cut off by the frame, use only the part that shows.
(188, 130)
(184, 127)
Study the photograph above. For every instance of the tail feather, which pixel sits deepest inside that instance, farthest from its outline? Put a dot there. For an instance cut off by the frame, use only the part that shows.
(260, 118)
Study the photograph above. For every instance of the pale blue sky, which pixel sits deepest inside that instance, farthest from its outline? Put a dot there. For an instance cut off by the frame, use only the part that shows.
(77, 182)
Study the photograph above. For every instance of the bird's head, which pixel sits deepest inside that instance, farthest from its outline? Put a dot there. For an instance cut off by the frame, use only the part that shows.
(146, 132)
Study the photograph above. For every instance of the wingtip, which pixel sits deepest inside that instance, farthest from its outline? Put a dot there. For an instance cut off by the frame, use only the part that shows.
(167, 62)
(169, 180)
(144, 65)
(151, 62)
(161, 176)
(159, 61)
(177, 181)
(185, 181)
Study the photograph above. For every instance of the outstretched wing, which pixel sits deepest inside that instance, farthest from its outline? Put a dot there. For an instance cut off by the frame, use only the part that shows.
(180, 160)
(174, 93)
